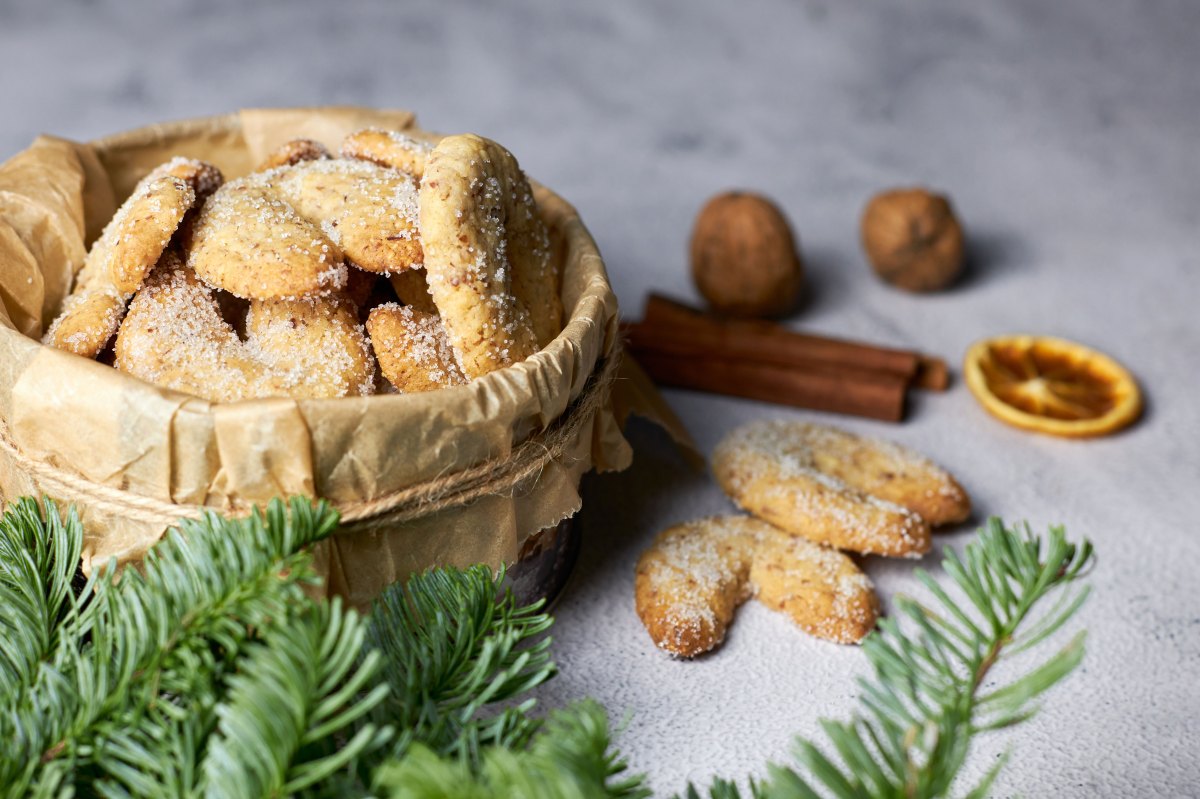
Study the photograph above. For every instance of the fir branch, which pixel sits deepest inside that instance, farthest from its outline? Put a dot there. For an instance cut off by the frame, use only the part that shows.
(570, 758)
(296, 689)
(152, 646)
(455, 642)
(38, 557)
(927, 698)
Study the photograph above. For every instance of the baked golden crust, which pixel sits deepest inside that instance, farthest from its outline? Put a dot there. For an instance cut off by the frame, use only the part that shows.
(471, 200)
(820, 589)
(249, 242)
(144, 227)
(412, 289)
(369, 211)
(87, 322)
(294, 152)
(311, 347)
(389, 148)
(690, 581)
(824, 484)
(127, 249)
(891, 472)
(203, 177)
(174, 336)
(413, 351)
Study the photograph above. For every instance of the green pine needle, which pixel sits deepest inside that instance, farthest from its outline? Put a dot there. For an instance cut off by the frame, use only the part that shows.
(210, 672)
(912, 733)
(569, 759)
(454, 642)
(133, 669)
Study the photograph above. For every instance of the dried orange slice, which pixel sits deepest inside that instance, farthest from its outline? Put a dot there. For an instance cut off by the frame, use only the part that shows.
(1051, 385)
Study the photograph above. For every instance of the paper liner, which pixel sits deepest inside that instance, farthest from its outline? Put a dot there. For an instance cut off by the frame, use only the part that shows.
(92, 422)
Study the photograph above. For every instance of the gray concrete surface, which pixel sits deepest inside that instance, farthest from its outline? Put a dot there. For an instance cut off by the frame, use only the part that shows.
(1067, 134)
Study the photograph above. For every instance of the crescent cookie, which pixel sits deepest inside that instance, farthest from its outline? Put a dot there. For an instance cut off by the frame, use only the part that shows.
(837, 488)
(369, 211)
(294, 152)
(127, 249)
(253, 244)
(475, 215)
(87, 321)
(412, 349)
(388, 148)
(174, 336)
(690, 581)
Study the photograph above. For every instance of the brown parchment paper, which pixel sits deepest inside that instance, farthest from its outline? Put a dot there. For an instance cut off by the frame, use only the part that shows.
(97, 423)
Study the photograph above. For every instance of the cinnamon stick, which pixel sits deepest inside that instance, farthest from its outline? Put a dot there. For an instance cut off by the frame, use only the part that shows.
(817, 389)
(771, 342)
(932, 374)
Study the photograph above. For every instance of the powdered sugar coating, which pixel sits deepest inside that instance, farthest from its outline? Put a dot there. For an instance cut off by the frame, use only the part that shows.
(809, 480)
(252, 243)
(294, 152)
(413, 350)
(130, 245)
(87, 322)
(369, 211)
(471, 248)
(690, 581)
(203, 177)
(389, 148)
(174, 336)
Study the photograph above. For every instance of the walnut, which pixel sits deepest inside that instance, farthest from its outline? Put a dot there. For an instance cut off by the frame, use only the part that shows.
(744, 258)
(913, 239)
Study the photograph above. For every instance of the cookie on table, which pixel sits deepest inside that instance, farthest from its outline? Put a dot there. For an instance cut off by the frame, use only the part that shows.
(691, 580)
(822, 590)
(413, 351)
(836, 488)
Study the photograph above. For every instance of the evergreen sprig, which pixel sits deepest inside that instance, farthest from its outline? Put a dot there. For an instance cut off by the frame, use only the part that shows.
(210, 672)
(133, 678)
(570, 758)
(454, 642)
(930, 693)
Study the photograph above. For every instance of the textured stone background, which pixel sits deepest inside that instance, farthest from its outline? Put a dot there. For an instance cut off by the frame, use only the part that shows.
(1067, 135)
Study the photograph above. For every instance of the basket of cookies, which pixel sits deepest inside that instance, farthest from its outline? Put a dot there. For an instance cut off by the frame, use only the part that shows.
(322, 302)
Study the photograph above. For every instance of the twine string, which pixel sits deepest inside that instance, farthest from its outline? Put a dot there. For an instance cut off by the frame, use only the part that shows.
(492, 477)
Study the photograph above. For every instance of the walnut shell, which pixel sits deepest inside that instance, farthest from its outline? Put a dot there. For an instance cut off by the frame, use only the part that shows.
(744, 258)
(913, 239)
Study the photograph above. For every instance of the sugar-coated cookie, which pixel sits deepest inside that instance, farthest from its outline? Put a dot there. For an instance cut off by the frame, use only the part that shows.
(174, 336)
(127, 249)
(693, 577)
(369, 211)
(480, 230)
(250, 242)
(294, 152)
(389, 148)
(837, 488)
(413, 351)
